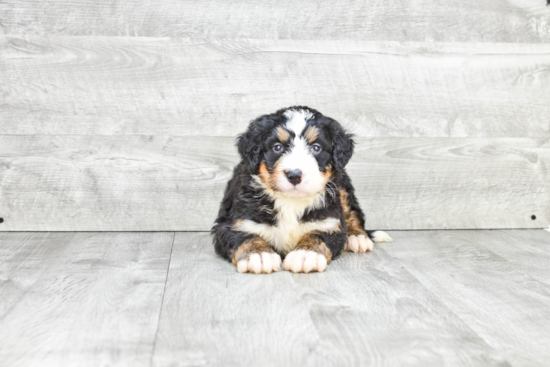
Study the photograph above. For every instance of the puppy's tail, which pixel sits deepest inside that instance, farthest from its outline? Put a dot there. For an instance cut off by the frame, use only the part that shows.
(379, 236)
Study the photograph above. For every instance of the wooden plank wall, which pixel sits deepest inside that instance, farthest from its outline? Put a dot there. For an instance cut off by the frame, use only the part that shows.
(122, 116)
(520, 21)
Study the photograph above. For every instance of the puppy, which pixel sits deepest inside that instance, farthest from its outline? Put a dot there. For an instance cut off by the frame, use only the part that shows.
(290, 196)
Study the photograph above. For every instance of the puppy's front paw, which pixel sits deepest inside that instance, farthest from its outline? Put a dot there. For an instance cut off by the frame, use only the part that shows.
(257, 263)
(305, 261)
(360, 243)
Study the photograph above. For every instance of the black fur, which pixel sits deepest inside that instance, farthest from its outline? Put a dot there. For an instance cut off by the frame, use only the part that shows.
(243, 200)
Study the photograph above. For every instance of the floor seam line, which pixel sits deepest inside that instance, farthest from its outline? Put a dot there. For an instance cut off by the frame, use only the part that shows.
(162, 301)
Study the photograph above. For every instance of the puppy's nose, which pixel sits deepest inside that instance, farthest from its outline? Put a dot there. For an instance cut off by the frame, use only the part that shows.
(295, 176)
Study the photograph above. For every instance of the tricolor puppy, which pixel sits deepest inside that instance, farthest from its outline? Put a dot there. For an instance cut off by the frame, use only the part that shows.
(290, 196)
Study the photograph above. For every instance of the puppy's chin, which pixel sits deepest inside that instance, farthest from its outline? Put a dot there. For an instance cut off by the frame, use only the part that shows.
(300, 191)
(294, 193)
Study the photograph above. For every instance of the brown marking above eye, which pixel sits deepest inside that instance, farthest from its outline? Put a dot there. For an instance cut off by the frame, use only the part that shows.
(311, 134)
(282, 134)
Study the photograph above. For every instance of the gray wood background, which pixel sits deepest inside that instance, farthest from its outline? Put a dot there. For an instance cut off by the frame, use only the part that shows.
(122, 115)
(525, 21)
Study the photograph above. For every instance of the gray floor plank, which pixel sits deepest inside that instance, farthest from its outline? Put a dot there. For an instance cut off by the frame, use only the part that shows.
(495, 297)
(529, 251)
(365, 310)
(182, 87)
(214, 316)
(25, 258)
(369, 311)
(140, 183)
(430, 298)
(414, 20)
(84, 299)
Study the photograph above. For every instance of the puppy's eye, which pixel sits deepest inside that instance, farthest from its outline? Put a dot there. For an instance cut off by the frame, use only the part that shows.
(278, 148)
(315, 148)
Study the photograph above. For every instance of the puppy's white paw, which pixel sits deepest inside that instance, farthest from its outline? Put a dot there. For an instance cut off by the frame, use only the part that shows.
(359, 243)
(257, 263)
(381, 236)
(305, 261)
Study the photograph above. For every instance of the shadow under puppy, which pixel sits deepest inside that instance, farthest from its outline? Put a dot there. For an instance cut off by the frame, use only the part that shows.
(290, 196)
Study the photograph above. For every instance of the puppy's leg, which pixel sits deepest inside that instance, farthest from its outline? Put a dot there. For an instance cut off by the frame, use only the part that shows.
(358, 239)
(314, 252)
(249, 253)
(311, 254)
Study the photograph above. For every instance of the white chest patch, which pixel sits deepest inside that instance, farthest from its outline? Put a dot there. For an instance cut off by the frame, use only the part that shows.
(284, 236)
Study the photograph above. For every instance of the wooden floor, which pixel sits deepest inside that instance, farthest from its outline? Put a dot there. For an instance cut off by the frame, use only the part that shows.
(430, 298)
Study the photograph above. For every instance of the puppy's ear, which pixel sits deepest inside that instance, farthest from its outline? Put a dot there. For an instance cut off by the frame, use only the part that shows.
(250, 142)
(342, 146)
(249, 150)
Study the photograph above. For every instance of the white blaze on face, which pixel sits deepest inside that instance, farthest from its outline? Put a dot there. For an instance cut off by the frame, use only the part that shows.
(299, 157)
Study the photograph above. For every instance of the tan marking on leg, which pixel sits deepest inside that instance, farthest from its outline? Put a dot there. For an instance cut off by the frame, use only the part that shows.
(352, 219)
(354, 225)
(256, 245)
(312, 242)
(282, 134)
(311, 134)
(344, 201)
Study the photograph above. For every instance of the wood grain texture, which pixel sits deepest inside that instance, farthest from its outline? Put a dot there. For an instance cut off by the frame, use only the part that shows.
(457, 183)
(364, 310)
(183, 87)
(369, 311)
(415, 20)
(528, 251)
(505, 306)
(430, 298)
(214, 316)
(85, 299)
(137, 183)
(26, 258)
